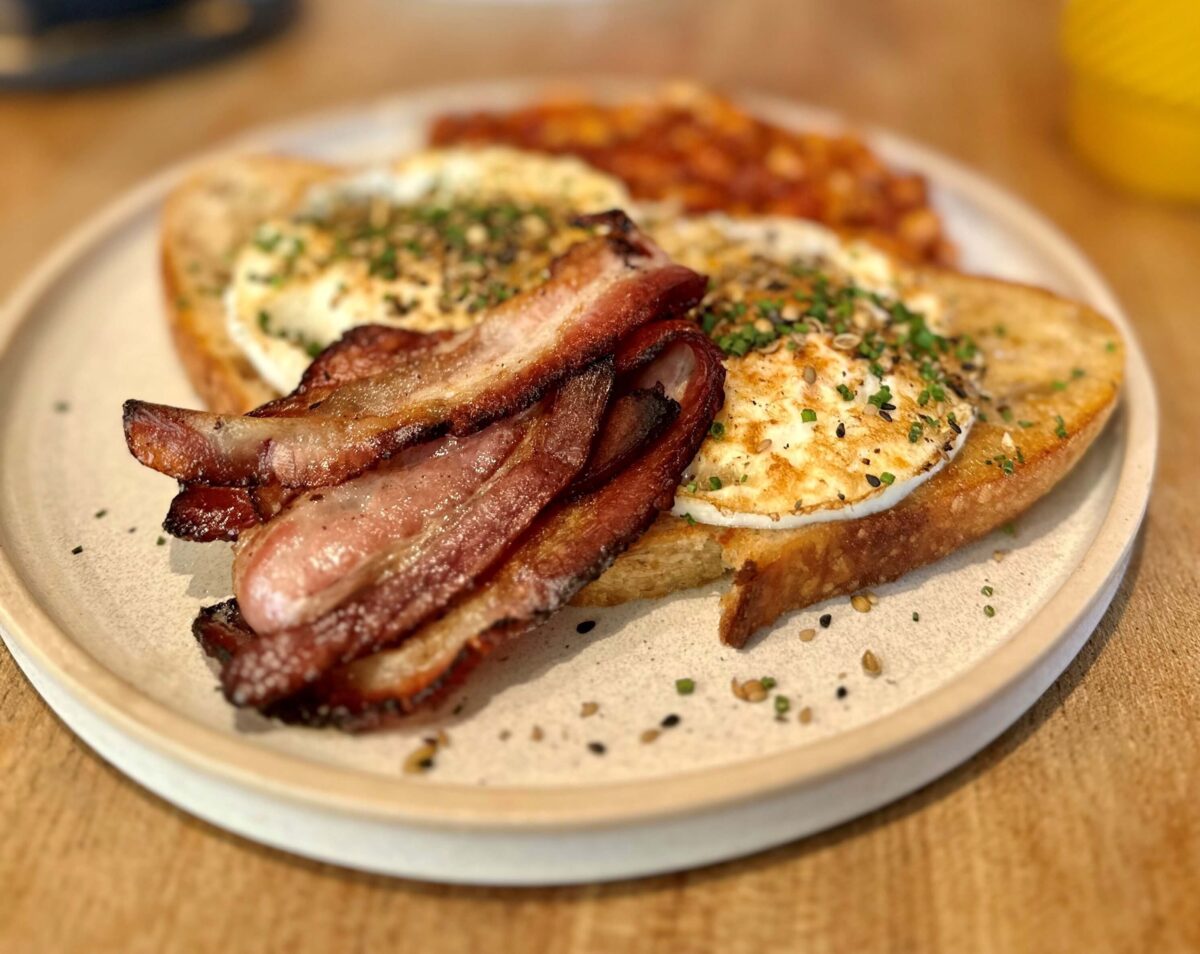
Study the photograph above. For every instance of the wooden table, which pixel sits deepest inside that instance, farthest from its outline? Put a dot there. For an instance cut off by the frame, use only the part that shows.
(1078, 830)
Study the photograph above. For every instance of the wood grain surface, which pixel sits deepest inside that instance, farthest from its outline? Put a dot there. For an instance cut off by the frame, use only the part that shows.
(1079, 830)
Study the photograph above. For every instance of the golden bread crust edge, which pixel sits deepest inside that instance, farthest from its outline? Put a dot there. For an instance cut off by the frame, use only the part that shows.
(204, 219)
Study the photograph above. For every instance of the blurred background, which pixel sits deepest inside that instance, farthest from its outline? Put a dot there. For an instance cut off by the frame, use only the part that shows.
(97, 94)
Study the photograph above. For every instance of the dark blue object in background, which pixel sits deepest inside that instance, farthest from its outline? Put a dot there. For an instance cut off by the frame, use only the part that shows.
(49, 44)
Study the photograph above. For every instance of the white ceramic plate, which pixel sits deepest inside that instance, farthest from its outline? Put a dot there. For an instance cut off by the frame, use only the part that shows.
(104, 634)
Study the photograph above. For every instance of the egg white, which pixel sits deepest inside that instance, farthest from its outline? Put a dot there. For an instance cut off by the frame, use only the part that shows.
(789, 449)
(293, 292)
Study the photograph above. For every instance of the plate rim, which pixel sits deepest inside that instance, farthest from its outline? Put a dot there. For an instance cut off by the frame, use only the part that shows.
(363, 794)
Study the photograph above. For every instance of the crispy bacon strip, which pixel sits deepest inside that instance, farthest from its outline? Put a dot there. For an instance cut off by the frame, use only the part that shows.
(203, 514)
(221, 630)
(597, 293)
(322, 547)
(377, 556)
(570, 545)
(633, 420)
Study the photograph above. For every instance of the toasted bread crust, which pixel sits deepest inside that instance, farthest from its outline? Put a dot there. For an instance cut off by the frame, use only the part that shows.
(204, 219)
(1046, 340)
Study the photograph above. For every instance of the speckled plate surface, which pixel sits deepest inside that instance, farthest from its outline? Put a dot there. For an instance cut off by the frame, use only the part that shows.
(519, 796)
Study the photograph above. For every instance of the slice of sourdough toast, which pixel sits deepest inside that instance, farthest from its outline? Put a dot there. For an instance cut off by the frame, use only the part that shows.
(1054, 371)
(1053, 375)
(204, 220)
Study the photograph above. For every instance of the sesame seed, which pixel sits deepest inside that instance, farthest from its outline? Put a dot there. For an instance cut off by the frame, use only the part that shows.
(670, 721)
(586, 626)
(807, 635)
(860, 603)
(597, 748)
(842, 692)
(763, 445)
(537, 734)
(810, 375)
(871, 664)
(588, 709)
(871, 598)
(752, 690)
(421, 759)
(999, 555)
(825, 620)
(989, 611)
(76, 551)
(805, 715)
(649, 736)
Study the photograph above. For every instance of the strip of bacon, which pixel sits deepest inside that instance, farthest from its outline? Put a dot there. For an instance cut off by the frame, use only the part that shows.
(597, 293)
(202, 514)
(570, 545)
(633, 420)
(413, 555)
(221, 630)
(318, 550)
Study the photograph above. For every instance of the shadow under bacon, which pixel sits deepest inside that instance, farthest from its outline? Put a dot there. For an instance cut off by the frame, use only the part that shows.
(420, 499)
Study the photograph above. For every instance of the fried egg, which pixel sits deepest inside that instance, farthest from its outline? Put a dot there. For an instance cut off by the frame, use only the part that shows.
(844, 390)
(428, 243)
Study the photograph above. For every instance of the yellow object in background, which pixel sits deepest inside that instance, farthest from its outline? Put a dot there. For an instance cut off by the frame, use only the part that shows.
(1134, 110)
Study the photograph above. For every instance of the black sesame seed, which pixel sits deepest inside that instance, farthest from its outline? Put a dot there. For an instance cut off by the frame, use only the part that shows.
(842, 692)
(597, 748)
(841, 429)
(873, 480)
(669, 722)
(825, 620)
(586, 626)
(886, 416)
(954, 427)
(101, 513)
(77, 551)
(887, 406)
